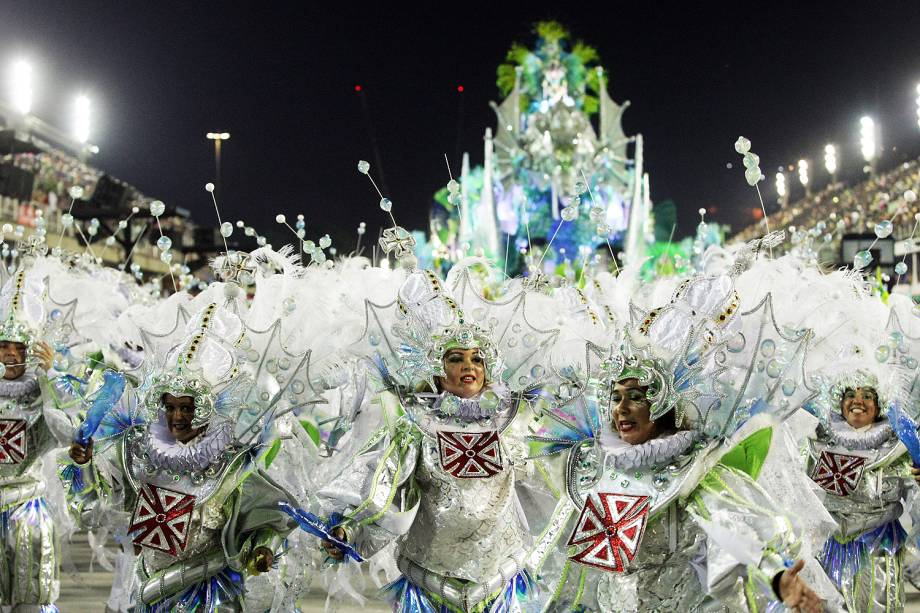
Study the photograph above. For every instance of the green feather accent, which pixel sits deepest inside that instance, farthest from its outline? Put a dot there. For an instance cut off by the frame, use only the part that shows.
(751, 453)
(272, 452)
(312, 430)
(585, 53)
(552, 31)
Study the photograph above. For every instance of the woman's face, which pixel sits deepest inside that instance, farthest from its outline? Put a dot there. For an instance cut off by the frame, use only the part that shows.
(859, 406)
(632, 412)
(180, 410)
(466, 372)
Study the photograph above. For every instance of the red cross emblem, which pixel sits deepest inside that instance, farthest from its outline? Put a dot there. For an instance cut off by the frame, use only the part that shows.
(12, 441)
(838, 473)
(470, 455)
(161, 519)
(610, 529)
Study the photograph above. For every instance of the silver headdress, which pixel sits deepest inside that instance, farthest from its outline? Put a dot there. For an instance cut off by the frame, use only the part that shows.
(709, 358)
(434, 323)
(410, 335)
(22, 308)
(231, 358)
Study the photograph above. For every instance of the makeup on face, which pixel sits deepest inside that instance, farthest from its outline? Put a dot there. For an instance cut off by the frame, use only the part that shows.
(466, 372)
(859, 406)
(631, 411)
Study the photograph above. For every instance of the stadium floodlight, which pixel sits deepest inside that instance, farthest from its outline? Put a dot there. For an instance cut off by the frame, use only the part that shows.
(803, 172)
(218, 138)
(21, 86)
(867, 144)
(81, 119)
(918, 105)
(781, 184)
(830, 159)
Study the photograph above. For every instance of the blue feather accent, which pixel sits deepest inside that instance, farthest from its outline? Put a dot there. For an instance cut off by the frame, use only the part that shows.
(312, 524)
(759, 406)
(382, 368)
(73, 474)
(906, 430)
(113, 387)
(841, 561)
(122, 417)
(70, 385)
(406, 597)
(566, 428)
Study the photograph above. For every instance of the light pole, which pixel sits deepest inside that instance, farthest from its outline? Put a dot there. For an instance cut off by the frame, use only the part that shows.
(217, 137)
(867, 141)
(81, 120)
(830, 162)
(803, 176)
(918, 105)
(782, 196)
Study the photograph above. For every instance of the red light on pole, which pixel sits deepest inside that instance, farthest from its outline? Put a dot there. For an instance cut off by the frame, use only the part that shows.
(357, 88)
(460, 88)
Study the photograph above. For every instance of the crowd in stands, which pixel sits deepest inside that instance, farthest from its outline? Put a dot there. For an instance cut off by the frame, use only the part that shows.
(55, 173)
(879, 197)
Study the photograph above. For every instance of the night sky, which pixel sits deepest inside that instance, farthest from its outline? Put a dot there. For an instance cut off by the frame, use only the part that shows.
(790, 77)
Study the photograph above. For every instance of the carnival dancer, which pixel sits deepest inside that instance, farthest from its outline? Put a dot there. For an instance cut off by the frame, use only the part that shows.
(439, 476)
(856, 457)
(191, 463)
(31, 427)
(662, 504)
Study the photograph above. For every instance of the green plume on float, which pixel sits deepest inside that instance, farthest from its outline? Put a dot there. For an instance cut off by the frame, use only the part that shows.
(552, 41)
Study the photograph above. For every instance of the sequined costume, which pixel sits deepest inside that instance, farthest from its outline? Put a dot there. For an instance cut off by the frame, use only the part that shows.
(863, 474)
(679, 522)
(867, 486)
(197, 513)
(199, 510)
(29, 566)
(687, 528)
(31, 428)
(439, 477)
(447, 492)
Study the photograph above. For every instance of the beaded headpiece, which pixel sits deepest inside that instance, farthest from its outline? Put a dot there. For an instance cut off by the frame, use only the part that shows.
(23, 301)
(201, 364)
(433, 324)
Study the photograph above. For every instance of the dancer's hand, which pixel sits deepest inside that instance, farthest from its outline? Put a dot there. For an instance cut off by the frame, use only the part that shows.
(44, 354)
(329, 547)
(916, 473)
(262, 559)
(795, 592)
(81, 454)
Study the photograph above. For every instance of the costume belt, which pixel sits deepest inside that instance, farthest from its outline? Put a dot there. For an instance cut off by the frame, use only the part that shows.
(175, 578)
(463, 595)
(12, 495)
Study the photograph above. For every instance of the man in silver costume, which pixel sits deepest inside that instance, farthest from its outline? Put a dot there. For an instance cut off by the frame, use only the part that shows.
(205, 513)
(28, 432)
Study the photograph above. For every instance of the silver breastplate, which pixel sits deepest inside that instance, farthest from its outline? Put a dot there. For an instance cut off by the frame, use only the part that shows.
(23, 437)
(465, 527)
(863, 487)
(174, 516)
(662, 576)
